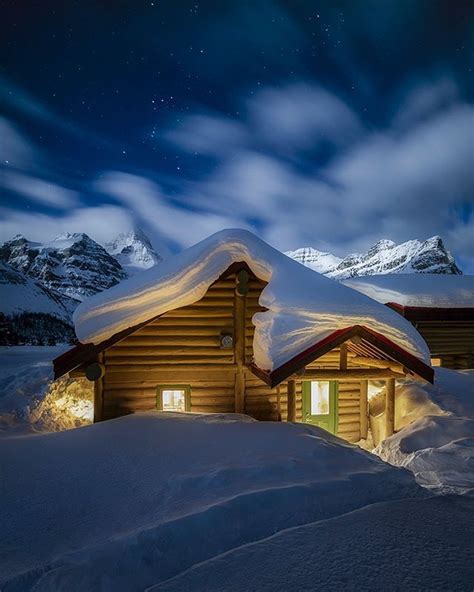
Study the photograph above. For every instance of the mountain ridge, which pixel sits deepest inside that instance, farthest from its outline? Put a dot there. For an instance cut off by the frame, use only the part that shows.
(383, 257)
(50, 279)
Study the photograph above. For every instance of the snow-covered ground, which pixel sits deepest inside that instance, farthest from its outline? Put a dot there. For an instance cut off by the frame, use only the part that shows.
(128, 503)
(409, 545)
(222, 502)
(29, 399)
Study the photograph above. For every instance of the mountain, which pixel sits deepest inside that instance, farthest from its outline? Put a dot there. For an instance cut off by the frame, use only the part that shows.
(42, 283)
(318, 260)
(385, 256)
(30, 311)
(134, 251)
(72, 264)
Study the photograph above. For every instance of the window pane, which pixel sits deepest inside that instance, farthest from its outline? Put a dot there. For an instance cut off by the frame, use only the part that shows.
(174, 400)
(319, 398)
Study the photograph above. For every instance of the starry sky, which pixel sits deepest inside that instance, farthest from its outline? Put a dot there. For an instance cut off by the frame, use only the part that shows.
(330, 124)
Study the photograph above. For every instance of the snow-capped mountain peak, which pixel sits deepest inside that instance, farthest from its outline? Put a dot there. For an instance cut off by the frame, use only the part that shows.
(72, 264)
(134, 251)
(385, 256)
(320, 261)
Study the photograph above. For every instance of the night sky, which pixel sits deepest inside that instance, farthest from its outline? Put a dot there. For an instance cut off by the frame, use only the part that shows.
(331, 124)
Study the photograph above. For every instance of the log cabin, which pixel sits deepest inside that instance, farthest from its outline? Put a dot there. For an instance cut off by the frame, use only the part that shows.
(441, 307)
(231, 325)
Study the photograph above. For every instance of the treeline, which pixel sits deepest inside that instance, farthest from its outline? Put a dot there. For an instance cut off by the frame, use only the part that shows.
(34, 328)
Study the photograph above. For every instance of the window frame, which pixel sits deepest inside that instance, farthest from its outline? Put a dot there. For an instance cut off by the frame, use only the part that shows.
(173, 387)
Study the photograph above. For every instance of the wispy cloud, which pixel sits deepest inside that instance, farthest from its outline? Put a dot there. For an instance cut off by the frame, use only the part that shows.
(297, 165)
(149, 207)
(102, 223)
(40, 191)
(406, 180)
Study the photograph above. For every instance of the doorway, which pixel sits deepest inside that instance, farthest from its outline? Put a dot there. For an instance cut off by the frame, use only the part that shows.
(320, 404)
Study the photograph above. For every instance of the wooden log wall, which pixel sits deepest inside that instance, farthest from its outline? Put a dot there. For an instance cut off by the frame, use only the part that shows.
(452, 341)
(183, 347)
(349, 413)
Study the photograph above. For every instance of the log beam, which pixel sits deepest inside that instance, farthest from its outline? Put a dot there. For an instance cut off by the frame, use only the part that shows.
(99, 394)
(291, 400)
(351, 374)
(373, 363)
(239, 348)
(343, 357)
(364, 410)
(390, 407)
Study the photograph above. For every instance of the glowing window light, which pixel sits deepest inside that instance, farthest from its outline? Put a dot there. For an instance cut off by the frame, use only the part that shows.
(319, 398)
(174, 400)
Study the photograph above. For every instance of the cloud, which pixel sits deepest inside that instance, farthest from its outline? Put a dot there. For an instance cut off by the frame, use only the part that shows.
(272, 172)
(407, 180)
(424, 100)
(146, 202)
(15, 149)
(43, 192)
(300, 116)
(101, 223)
(208, 134)
(19, 100)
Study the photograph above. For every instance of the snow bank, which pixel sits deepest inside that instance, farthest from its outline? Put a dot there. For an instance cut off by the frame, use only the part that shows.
(128, 503)
(303, 306)
(431, 539)
(417, 289)
(29, 399)
(436, 431)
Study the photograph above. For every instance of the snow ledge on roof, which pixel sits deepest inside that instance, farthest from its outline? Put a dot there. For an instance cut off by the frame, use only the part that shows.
(418, 289)
(303, 306)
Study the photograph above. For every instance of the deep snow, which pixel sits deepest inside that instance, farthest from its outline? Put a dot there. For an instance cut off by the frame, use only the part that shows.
(422, 289)
(175, 501)
(303, 306)
(29, 399)
(406, 546)
(435, 437)
(128, 503)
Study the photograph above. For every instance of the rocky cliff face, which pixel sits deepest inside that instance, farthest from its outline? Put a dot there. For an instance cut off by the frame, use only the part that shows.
(134, 251)
(318, 260)
(72, 264)
(42, 283)
(385, 256)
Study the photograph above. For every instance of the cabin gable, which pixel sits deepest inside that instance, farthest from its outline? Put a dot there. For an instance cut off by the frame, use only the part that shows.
(206, 345)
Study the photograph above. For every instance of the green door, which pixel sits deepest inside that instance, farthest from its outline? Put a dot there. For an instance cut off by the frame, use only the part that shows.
(320, 404)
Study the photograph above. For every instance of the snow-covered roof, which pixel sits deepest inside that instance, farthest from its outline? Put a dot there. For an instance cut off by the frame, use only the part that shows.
(303, 306)
(420, 289)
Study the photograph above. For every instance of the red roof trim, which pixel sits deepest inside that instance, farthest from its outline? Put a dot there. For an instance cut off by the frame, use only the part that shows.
(336, 338)
(428, 313)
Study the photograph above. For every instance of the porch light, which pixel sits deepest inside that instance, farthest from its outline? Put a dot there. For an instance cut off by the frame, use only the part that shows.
(226, 340)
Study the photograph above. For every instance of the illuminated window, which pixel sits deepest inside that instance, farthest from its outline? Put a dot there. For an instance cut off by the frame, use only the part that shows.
(173, 398)
(436, 361)
(319, 398)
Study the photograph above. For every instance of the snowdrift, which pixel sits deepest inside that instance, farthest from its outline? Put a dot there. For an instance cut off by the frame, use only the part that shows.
(436, 431)
(431, 539)
(304, 307)
(29, 399)
(129, 503)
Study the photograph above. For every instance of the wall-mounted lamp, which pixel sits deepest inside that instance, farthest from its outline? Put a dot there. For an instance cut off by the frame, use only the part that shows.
(226, 340)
